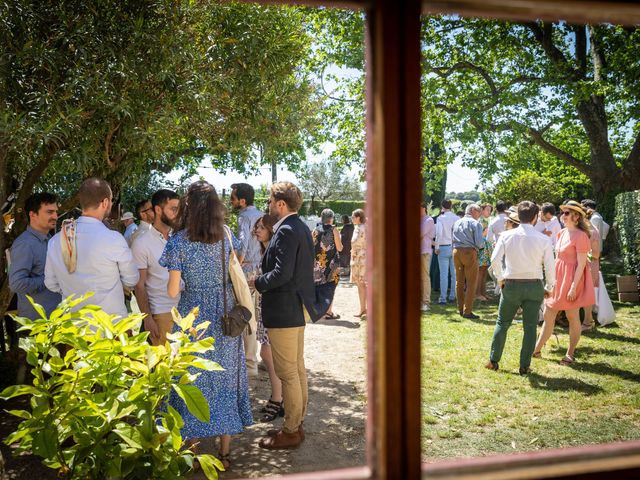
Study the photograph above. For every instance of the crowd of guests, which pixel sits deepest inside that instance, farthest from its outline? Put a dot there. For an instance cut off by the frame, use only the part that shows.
(540, 261)
(176, 257)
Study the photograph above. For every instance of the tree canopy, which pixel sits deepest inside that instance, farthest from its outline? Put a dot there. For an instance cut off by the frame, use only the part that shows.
(121, 88)
(522, 94)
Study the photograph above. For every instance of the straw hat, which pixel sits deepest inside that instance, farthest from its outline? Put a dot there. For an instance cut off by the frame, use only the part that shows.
(575, 206)
(513, 216)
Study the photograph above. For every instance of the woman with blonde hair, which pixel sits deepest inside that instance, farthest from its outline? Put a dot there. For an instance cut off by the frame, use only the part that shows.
(574, 284)
(358, 258)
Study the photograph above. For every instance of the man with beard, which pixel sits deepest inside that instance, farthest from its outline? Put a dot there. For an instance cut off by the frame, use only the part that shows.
(288, 290)
(250, 255)
(151, 290)
(29, 254)
(144, 210)
(85, 256)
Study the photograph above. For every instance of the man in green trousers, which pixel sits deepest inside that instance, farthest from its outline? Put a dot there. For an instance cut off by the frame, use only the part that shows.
(519, 259)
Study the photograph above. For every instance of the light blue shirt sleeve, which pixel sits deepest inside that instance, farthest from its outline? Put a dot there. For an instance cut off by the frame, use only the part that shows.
(22, 278)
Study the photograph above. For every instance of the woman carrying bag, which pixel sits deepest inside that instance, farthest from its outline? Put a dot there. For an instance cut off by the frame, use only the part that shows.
(195, 255)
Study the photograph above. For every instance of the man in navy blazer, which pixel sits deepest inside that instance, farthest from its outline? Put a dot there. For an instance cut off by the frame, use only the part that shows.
(288, 296)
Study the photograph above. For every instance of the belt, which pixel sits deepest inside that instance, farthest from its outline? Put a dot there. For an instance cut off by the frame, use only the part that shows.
(447, 245)
(523, 280)
(465, 248)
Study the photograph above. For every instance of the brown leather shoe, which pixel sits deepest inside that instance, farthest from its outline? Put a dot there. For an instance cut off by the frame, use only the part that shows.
(281, 440)
(273, 432)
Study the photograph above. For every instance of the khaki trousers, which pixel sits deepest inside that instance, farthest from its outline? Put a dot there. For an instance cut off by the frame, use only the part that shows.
(466, 263)
(164, 321)
(287, 347)
(425, 266)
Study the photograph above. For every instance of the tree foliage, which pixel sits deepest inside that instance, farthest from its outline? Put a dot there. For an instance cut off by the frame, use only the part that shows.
(517, 91)
(327, 180)
(121, 88)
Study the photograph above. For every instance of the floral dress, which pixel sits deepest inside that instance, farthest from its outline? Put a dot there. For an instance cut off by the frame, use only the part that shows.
(484, 258)
(227, 391)
(325, 268)
(358, 255)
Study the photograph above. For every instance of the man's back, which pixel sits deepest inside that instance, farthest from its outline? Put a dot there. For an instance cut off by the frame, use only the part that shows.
(104, 264)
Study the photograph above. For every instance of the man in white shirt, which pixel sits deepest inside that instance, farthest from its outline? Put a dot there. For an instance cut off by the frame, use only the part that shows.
(548, 223)
(497, 225)
(151, 290)
(525, 254)
(444, 250)
(144, 210)
(104, 262)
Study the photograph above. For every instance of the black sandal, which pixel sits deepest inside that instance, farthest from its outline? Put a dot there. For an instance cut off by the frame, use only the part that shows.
(225, 459)
(272, 410)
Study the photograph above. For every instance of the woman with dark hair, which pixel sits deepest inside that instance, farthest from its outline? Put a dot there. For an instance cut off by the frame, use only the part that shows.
(345, 235)
(193, 255)
(327, 244)
(574, 284)
(358, 259)
(263, 231)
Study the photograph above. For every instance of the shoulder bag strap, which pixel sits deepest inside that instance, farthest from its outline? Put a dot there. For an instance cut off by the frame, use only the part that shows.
(224, 276)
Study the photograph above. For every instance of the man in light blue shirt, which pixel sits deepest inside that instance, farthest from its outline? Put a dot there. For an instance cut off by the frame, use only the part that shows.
(104, 262)
(250, 256)
(130, 226)
(29, 254)
(467, 240)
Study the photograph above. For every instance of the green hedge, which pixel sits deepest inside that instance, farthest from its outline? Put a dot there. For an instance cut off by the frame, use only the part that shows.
(339, 207)
(627, 215)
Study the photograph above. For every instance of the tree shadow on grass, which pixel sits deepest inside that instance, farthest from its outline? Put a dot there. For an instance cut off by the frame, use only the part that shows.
(589, 350)
(562, 384)
(334, 429)
(599, 334)
(606, 369)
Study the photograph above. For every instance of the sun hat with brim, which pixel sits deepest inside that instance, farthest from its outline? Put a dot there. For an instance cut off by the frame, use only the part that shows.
(575, 206)
(513, 216)
(127, 216)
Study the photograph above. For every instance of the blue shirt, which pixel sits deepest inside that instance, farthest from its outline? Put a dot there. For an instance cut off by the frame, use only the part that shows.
(129, 231)
(467, 232)
(26, 273)
(250, 247)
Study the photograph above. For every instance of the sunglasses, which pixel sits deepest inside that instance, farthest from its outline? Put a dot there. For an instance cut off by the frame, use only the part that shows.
(566, 212)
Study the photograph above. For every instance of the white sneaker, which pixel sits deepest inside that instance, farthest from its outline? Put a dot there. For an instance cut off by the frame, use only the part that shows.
(425, 307)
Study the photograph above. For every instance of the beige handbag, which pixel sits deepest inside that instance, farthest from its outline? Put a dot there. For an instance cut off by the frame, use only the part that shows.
(240, 285)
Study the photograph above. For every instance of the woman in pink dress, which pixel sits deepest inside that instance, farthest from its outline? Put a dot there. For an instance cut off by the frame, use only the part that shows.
(574, 284)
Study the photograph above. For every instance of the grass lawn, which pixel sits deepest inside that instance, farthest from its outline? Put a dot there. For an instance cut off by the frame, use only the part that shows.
(470, 411)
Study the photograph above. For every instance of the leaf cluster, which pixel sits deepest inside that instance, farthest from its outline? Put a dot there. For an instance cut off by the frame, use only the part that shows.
(627, 214)
(98, 404)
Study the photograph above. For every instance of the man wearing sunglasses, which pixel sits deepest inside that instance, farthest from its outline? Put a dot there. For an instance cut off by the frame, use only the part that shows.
(145, 212)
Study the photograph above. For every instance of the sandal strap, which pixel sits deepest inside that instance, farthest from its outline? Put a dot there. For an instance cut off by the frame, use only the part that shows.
(273, 407)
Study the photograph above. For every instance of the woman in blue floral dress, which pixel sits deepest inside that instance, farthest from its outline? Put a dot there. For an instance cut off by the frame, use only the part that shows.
(193, 256)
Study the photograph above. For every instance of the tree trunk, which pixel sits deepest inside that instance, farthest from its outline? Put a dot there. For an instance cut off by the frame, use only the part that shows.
(274, 171)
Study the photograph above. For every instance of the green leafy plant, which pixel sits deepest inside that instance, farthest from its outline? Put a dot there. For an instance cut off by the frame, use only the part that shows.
(627, 212)
(98, 403)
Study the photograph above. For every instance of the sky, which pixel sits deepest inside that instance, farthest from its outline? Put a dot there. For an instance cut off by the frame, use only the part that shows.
(459, 178)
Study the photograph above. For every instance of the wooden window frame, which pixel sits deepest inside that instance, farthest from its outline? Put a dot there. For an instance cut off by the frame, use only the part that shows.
(392, 42)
